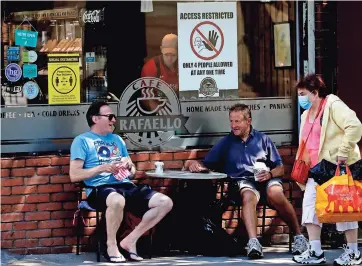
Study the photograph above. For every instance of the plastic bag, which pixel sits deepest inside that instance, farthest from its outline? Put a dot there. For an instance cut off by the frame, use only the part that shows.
(322, 172)
(339, 199)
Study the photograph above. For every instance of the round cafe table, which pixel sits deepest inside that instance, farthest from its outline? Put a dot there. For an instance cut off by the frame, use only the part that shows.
(183, 177)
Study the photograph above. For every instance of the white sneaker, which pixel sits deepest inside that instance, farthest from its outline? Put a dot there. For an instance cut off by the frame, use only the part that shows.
(255, 250)
(310, 257)
(300, 245)
(348, 257)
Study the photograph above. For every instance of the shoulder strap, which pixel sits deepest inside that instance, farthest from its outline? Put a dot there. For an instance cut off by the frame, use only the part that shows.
(158, 67)
(304, 143)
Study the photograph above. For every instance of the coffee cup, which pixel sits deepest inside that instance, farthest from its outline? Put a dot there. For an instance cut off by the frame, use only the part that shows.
(258, 168)
(159, 167)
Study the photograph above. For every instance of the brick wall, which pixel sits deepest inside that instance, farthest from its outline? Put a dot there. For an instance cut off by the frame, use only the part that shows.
(326, 42)
(38, 201)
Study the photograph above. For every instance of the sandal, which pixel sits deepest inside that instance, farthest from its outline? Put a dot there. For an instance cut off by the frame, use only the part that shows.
(114, 259)
(128, 255)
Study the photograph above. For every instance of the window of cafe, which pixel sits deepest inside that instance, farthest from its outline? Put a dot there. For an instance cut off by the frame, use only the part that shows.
(57, 60)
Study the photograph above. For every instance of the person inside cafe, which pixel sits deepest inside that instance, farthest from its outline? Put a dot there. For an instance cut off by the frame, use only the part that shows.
(100, 158)
(164, 66)
(237, 155)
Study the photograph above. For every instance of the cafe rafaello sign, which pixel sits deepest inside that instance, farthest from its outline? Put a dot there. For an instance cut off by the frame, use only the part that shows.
(149, 113)
(58, 13)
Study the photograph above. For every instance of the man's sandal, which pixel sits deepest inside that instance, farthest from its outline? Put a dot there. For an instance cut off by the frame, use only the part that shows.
(114, 259)
(129, 255)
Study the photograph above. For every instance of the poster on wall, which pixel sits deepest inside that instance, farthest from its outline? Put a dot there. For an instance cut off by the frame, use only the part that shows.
(207, 47)
(63, 78)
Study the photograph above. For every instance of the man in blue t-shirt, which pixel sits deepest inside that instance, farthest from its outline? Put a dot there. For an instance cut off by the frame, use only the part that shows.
(239, 154)
(100, 158)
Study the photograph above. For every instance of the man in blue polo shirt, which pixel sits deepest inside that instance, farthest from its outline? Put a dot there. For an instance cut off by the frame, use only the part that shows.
(237, 154)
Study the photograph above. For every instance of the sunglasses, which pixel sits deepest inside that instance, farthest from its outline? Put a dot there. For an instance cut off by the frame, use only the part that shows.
(110, 116)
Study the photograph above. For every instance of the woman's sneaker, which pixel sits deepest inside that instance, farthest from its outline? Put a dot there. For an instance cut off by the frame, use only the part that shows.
(300, 245)
(255, 250)
(310, 257)
(348, 257)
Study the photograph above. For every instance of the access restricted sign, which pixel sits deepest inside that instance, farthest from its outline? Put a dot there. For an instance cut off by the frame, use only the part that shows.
(209, 61)
(63, 78)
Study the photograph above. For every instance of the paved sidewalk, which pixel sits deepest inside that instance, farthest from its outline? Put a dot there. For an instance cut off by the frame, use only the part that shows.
(276, 256)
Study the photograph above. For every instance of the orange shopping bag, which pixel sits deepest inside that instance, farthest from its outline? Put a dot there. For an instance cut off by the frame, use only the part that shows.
(339, 199)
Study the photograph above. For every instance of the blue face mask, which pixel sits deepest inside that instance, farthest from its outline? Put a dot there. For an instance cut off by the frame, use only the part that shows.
(304, 101)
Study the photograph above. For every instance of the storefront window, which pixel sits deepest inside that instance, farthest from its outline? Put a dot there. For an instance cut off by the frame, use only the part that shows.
(209, 55)
(257, 74)
(56, 69)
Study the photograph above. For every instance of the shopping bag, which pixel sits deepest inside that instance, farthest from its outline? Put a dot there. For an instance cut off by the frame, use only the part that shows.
(339, 199)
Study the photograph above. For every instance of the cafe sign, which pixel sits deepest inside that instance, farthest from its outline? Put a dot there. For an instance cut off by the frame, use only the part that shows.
(149, 113)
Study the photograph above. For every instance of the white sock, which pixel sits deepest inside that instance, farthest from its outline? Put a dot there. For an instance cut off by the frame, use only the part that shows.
(354, 247)
(316, 246)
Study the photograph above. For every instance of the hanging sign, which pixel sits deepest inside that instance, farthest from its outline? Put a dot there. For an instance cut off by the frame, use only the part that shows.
(207, 47)
(13, 72)
(63, 78)
(30, 90)
(29, 56)
(26, 38)
(30, 71)
(13, 53)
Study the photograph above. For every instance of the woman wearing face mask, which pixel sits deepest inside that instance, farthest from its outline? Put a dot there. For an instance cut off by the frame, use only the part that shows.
(334, 137)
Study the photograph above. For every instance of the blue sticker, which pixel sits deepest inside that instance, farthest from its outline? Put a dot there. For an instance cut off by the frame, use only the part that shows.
(30, 90)
(26, 38)
(13, 53)
(90, 57)
(13, 72)
(30, 71)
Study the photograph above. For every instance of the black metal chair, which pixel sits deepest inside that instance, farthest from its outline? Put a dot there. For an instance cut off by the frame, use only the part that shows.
(83, 206)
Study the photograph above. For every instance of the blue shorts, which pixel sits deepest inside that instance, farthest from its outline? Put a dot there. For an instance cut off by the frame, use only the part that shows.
(137, 197)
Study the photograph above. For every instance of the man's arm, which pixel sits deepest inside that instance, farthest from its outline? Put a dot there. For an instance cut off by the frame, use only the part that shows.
(78, 174)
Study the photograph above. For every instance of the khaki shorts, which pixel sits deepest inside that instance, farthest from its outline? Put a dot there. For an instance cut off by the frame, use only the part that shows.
(258, 188)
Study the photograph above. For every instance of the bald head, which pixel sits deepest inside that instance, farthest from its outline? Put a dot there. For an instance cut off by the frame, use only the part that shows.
(169, 44)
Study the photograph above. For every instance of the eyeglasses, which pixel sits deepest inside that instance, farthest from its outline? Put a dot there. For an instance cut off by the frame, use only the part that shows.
(110, 116)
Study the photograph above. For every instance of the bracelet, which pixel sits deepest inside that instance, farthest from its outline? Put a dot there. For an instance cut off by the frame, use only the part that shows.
(271, 175)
